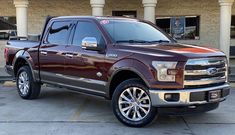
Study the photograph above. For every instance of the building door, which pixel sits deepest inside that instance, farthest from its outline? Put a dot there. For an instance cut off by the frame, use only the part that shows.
(132, 14)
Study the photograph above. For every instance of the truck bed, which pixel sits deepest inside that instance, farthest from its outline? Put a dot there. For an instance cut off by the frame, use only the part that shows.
(22, 44)
(15, 46)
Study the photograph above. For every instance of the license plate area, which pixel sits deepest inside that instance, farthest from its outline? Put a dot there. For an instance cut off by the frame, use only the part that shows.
(214, 95)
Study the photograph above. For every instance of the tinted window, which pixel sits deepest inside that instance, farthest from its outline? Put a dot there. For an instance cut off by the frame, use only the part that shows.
(59, 33)
(86, 29)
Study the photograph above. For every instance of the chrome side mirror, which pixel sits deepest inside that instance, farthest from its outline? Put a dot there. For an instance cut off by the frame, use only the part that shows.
(89, 43)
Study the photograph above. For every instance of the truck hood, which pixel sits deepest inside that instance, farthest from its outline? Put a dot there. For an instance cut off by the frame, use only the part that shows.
(174, 51)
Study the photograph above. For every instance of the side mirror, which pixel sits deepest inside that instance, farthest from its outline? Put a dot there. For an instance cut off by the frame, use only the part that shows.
(90, 43)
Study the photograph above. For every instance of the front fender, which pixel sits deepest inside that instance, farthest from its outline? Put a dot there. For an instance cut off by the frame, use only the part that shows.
(139, 68)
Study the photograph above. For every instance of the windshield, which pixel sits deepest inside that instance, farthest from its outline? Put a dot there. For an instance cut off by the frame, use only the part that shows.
(133, 31)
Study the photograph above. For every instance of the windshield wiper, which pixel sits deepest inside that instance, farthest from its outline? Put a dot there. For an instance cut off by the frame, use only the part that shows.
(142, 41)
(132, 41)
(160, 41)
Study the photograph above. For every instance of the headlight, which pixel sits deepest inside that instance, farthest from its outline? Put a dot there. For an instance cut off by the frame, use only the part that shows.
(165, 70)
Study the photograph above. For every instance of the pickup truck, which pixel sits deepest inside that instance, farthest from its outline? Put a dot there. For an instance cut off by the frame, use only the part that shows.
(131, 62)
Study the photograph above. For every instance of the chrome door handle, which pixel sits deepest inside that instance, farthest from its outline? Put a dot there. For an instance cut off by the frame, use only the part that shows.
(43, 53)
(69, 55)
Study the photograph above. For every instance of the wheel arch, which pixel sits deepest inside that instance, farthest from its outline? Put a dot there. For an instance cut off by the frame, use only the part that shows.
(124, 74)
(22, 59)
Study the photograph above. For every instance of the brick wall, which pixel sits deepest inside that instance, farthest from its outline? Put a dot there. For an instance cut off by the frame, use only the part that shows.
(123, 5)
(208, 10)
(7, 8)
(39, 9)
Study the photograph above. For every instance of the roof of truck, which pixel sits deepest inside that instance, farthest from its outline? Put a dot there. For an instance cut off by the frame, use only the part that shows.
(94, 17)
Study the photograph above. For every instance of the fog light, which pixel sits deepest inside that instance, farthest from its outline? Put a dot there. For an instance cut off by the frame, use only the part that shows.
(172, 97)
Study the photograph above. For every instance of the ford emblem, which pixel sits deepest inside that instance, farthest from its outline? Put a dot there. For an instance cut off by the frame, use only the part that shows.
(212, 71)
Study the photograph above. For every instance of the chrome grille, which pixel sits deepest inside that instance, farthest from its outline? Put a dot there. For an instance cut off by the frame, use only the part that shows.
(199, 72)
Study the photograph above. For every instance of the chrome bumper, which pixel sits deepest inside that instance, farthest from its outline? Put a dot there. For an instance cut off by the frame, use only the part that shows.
(158, 96)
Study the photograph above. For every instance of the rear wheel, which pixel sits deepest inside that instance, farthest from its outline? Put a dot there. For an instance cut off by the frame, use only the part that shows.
(132, 104)
(27, 87)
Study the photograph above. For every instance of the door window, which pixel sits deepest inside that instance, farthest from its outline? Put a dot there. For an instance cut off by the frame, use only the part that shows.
(86, 29)
(59, 32)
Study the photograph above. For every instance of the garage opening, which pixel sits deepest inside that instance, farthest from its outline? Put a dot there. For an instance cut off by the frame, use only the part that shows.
(7, 27)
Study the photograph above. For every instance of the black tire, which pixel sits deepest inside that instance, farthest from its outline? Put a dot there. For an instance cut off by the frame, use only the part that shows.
(137, 83)
(34, 88)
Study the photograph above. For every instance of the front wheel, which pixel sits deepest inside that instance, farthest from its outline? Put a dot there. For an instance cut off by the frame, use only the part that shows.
(132, 104)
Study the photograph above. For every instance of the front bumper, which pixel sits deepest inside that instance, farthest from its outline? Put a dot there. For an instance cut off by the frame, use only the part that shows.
(188, 97)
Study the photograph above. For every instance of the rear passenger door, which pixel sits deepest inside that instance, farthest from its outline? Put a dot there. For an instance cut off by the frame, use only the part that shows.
(85, 68)
(51, 53)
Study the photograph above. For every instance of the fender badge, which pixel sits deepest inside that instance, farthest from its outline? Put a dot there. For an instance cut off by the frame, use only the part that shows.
(112, 55)
(99, 74)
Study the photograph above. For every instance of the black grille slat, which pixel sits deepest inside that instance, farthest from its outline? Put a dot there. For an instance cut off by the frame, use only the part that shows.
(203, 96)
(198, 96)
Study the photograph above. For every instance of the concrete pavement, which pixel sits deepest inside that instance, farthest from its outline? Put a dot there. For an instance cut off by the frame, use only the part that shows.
(60, 112)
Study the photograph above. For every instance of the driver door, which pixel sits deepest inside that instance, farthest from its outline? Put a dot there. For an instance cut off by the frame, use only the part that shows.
(85, 68)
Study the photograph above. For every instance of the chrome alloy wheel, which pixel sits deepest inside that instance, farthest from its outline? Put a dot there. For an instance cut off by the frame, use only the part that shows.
(134, 104)
(23, 83)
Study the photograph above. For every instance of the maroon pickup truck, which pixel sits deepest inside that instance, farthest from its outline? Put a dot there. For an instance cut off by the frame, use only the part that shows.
(130, 62)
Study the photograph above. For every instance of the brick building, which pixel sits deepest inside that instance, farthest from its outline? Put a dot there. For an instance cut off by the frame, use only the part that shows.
(206, 22)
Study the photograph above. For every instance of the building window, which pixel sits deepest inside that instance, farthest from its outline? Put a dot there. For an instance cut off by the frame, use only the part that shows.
(184, 27)
(132, 14)
(233, 27)
(7, 27)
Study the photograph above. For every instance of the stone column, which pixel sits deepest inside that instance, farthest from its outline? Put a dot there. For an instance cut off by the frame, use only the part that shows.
(22, 17)
(97, 7)
(225, 24)
(149, 10)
